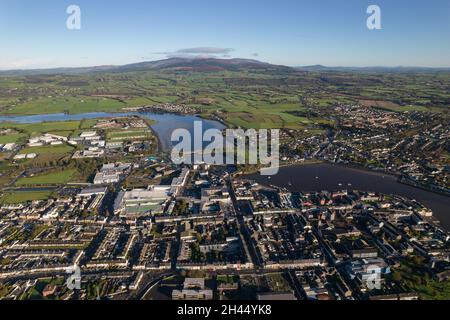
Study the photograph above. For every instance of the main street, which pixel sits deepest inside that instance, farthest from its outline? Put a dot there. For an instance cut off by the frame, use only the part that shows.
(248, 241)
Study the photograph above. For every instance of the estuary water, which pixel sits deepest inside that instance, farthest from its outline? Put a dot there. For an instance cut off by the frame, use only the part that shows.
(165, 124)
(318, 177)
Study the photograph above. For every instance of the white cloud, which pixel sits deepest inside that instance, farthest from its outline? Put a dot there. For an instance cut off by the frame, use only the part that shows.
(25, 63)
(198, 52)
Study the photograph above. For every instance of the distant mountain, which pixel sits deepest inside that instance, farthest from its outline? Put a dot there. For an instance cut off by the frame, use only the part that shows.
(400, 69)
(314, 68)
(211, 65)
(172, 64)
(203, 65)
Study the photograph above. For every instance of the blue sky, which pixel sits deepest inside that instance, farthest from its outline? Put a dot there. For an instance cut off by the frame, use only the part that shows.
(33, 34)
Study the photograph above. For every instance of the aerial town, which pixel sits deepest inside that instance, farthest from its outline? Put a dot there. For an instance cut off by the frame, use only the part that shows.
(224, 159)
(144, 228)
(411, 145)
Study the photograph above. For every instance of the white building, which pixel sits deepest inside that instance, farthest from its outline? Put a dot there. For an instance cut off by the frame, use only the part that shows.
(9, 147)
(88, 134)
(112, 173)
(140, 202)
(47, 138)
(193, 289)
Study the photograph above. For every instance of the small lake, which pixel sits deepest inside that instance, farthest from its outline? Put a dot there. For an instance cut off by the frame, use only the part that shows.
(166, 122)
(318, 177)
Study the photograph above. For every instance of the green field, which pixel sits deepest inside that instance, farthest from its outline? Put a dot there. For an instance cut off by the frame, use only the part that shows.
(48, 150)
(71, 105)
(128, 135)
(48, 155)
(11, 138)
(54, 178)
(139, 102)
(270, 116)
(24, 196)
(88, 123)
(63, 128)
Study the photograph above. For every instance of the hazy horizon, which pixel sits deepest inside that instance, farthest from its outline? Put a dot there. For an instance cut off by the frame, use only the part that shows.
(235, 58)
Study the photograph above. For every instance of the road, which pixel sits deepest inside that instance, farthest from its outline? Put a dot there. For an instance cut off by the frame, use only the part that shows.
(243, 229)
(154, 280)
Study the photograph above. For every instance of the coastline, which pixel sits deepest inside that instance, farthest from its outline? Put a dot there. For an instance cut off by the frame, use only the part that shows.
(334, 177)
(285, 165)
(351, 167)
(155, 134)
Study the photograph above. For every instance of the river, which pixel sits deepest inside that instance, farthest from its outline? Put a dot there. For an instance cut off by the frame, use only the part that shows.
(165, 124)
(318, 177)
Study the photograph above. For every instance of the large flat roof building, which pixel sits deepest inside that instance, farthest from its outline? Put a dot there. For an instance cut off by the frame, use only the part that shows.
(140, 202)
